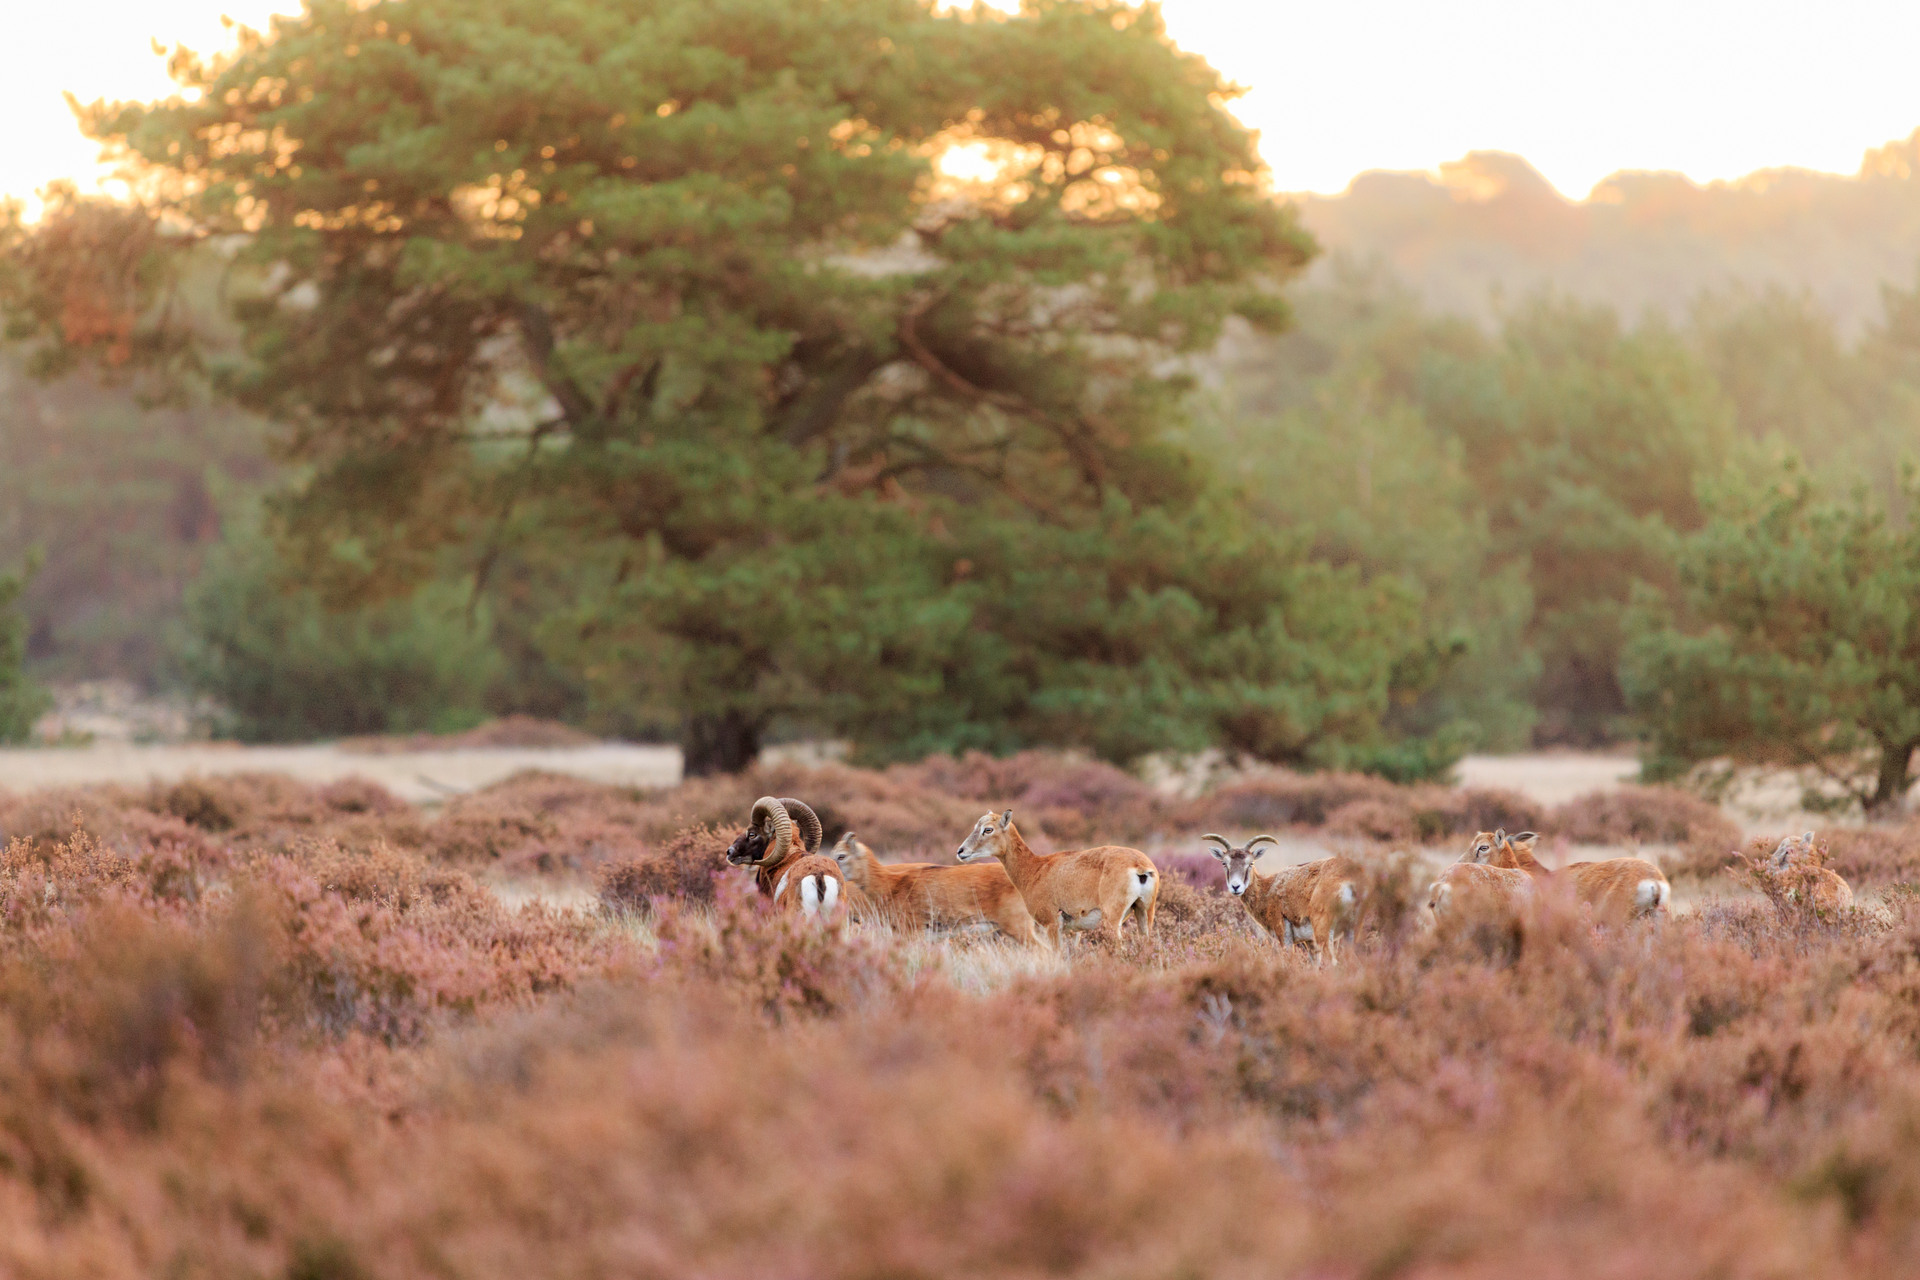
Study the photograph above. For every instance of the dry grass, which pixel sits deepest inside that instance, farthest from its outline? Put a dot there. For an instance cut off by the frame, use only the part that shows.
(548, 825)
(234, 1040)
(329, 1062)
(1633, 816)
(253, 1028)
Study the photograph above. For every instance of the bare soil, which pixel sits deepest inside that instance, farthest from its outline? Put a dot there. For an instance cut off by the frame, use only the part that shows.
(422, 777)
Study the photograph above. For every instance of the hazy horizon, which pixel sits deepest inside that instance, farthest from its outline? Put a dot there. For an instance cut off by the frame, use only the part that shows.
(1712, 91)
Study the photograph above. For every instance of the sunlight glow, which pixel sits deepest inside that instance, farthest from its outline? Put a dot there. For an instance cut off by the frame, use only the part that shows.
(1711, 88)
(968, 162)
(94, 49)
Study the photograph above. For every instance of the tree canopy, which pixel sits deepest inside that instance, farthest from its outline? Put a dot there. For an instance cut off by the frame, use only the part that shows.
(1794, 637)
(817, 359)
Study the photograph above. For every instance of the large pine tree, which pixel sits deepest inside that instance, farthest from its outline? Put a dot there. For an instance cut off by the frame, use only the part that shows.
(818, 356)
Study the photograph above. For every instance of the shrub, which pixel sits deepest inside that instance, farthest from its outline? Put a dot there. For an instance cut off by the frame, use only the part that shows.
(1362, 807)
(285, 668)
(778, 964)
(1199, 871)
(1073, 795)
(245, 1051)
(1791, 891)
(684, 869)
(1875, 855)
(1650, 815)
(1271, 801)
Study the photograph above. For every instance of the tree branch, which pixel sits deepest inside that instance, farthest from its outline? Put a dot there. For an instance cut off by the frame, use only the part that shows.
(536, 331)
(1087, 459)
(490, 553)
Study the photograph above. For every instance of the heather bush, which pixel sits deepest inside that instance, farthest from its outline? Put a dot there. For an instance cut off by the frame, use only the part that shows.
(1875, 855)
(300, 1059)
(1069, 801)
(684, 868)
(1187, 915)
(1276, 800)
(1649, 815)
(1361, 806)
(1195, 870)
(1490, 809)
(1387, 821)
(779, 964)
(536, 822)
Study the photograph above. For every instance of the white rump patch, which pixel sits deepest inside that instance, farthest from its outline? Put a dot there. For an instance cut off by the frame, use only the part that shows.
(1652, 895)
(818, 894)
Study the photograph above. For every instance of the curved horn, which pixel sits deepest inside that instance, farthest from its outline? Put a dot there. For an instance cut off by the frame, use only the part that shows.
(808, 823)
(1222, 841)
(768, 812)
(1260, 840)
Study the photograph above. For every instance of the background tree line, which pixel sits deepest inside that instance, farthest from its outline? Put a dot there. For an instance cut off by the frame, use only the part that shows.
(636, 364)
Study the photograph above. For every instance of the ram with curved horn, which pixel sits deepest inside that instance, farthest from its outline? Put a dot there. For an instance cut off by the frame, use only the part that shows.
(1312, 905)
(781, 843)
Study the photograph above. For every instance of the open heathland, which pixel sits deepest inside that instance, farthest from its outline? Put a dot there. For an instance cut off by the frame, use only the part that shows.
(253, 1028)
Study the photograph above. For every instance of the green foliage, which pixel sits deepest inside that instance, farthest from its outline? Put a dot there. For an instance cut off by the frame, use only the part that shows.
(1520, 484)
(285, 668)
(1585, 442)
(1852, 410)
(1794, 636)
(668, 304)
(1324, 433)
(21, 700)
(806, 367)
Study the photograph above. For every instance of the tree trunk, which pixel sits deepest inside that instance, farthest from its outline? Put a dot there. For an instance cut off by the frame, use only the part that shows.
(1891, 788)
(726, 743)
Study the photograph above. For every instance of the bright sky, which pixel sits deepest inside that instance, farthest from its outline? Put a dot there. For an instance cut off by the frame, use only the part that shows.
(1712, 88)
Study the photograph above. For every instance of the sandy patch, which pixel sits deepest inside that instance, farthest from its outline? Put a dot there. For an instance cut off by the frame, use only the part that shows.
(1550, 777)
(417, 776)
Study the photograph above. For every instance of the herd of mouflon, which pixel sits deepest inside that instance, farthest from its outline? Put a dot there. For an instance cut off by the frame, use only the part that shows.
(1002, 885)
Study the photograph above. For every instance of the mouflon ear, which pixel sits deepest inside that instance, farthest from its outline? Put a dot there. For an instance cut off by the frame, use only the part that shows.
(1525, 837)
(1006, 820)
